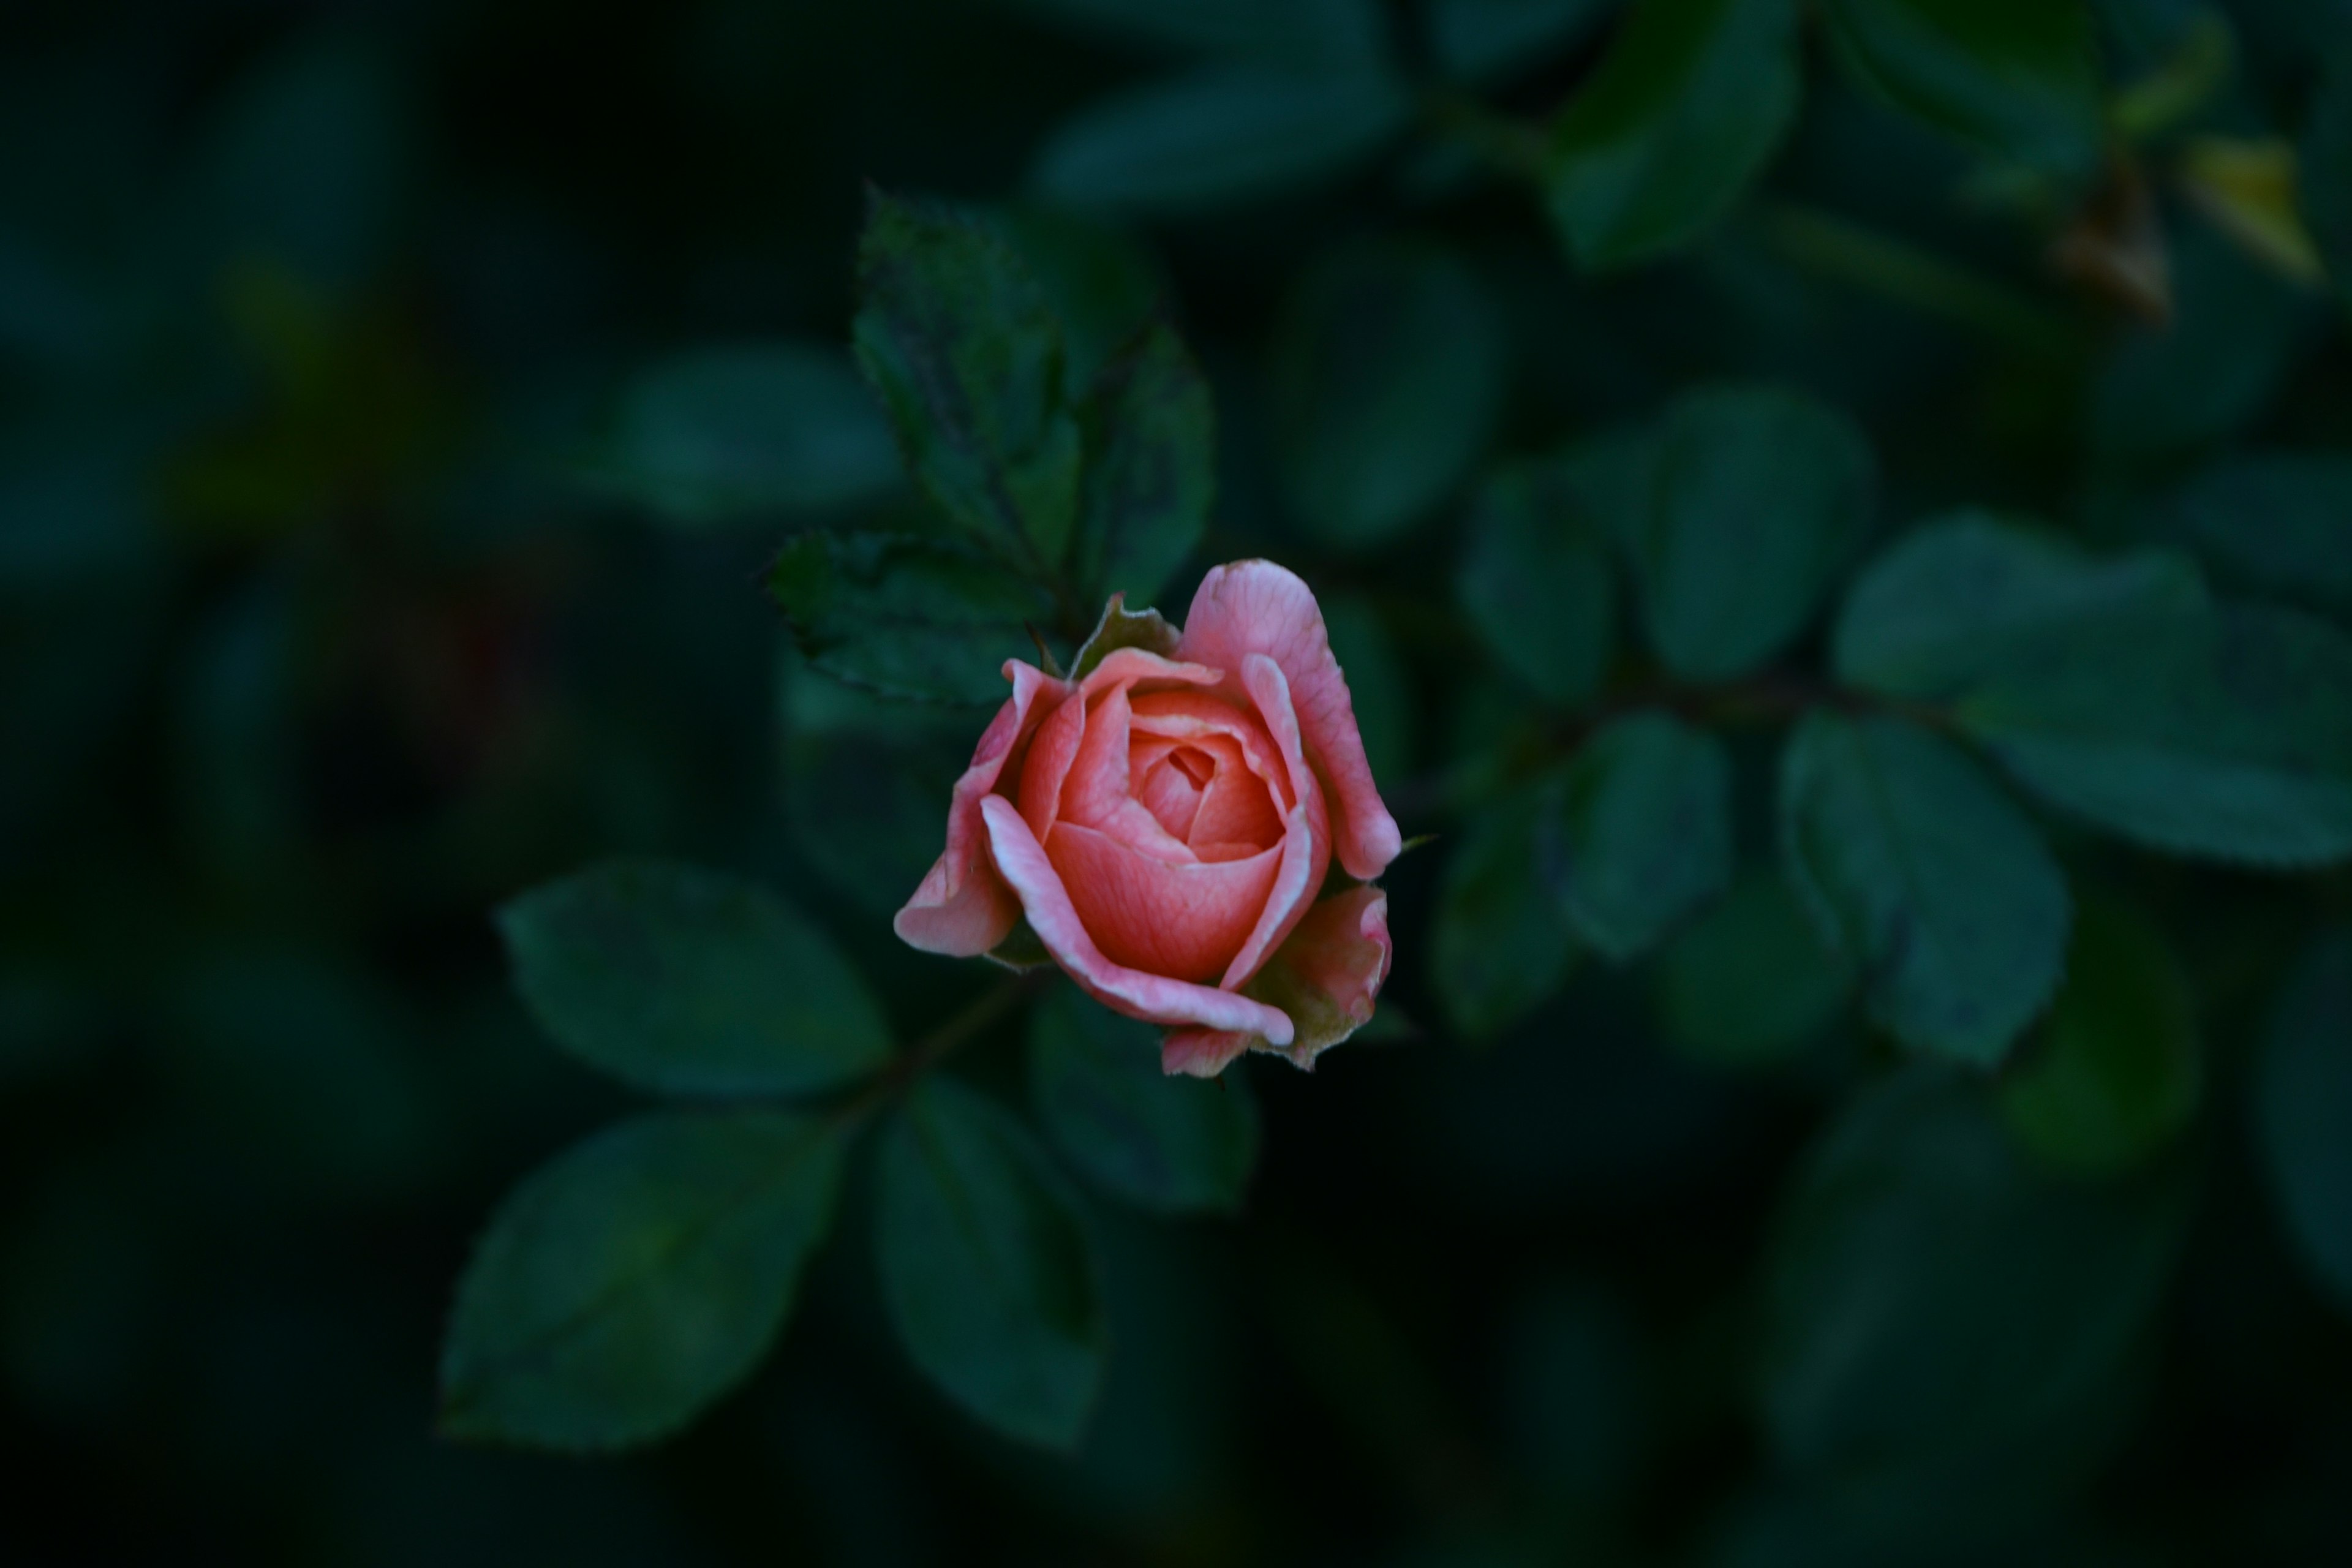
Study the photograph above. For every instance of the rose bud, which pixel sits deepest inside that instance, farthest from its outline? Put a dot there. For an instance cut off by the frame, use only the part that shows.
(1167, 821)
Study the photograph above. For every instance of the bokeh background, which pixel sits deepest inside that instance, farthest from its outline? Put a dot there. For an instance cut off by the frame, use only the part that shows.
(339, 602)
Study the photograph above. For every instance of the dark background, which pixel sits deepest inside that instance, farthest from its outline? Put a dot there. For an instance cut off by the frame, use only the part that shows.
(320, 641)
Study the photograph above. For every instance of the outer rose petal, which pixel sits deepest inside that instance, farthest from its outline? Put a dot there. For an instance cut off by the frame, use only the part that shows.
(1255, 606)
(1185, 921)
(1153, 998)
(963, 909)
(1325, 978)
(1201, 1052)
(1307, 827)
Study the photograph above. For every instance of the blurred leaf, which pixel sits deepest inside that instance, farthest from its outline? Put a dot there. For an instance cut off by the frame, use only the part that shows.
(1950, 603)
(1500, 943)
(1151, 469)
(2019, 78)
(1926, 873)
(1220, 136)
(2247, 187)
(1537, 581)
(1490, 39)
(1103, 284)
(1297, 32)
(1682, 115)
(2211, 371)
(308, 164)
(987, 1269)
(1758, 498)
(71, 498)
(2225, 733)
(1934, 1302)
(636, 1277)
(915, 618)
(2302, 1109)
(1752, 980)
(1387, 377)
(2116, 1073)
(1378, 683)
(687, 982)
(1175, 1145)
(2280, 523)
(2326, 174)
(46, 1022)
(1645, 831)
(955, 333)
(709, 435)
(1575, 1395)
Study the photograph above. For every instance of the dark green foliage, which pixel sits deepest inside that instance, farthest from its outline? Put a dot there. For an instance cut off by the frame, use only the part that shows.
(907, 617)
(2279, 523)
(1537, 581)
(2019, 79)
(1501, 943)
(1387, 377)
(1151, 468)
(2302, 1109)
(1923, 870)
(1754, 979)
(2326, 183)
(688, 982)
(1175, 1145)
(987, 1267)
(1679, 119)
(1481, 40)
(1645, 831)
(623, 1287)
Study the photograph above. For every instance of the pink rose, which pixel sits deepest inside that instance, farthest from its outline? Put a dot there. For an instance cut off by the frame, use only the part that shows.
(1166, 821)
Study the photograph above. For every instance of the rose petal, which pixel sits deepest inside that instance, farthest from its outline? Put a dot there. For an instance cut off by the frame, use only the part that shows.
(1096, 794)
(1255, 606)
(1169, 793)
(962, 907)
(1307, 828)
(1186, 922)
(1326, 977)
(1237, 807)
(1021, 862)
(1052, 753)
(1200, 1053)
(1197, 718)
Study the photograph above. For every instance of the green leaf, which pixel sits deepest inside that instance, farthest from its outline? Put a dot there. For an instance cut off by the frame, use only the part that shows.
(688, 982)
(1752, 980)
(719, 433)
(1501, 943)
(1219, 137)
(1122, 627)
(1938, 1306)
(1103, 284)
(1485, 41)
(1757, 499)
(1683, 115)
(1647, 831)
(1387, 378)
(986, 1268)
(2225, 733)
(1174, 1146)
(1954, 601)
(2018, 78)
(915, 618)
(1327, 33)
(2325, 179)
(2303, 1108)
(1378, 682)
(1151, 469)
(624, 1285)
(1537, 581)
(954, 332)
(2278, 522)
(2116, 1075)
(1921, 868)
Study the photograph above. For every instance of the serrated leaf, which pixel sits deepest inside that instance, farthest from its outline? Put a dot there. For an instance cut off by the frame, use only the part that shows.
(1103, 282)
(1219, 137)
(2115, 1074)
(2226, 733)
(1757, 498)
(987, 1270)
(2277, 522)
(688, 982)
(1752, 980)
(1926, 871)
(1537, 581)
(1386, 382)
(1483, 40)
(921, 619)
(1500, 943)
(1174, 1146)
(2017, 79)
(714, 435)
(1936, 1309)
(1645, 831)
(627, 1285)
(1122, 627)
(2302, 1109)
(1151, 469)
(1682, 115)
(1950, 603)
(954, 332)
